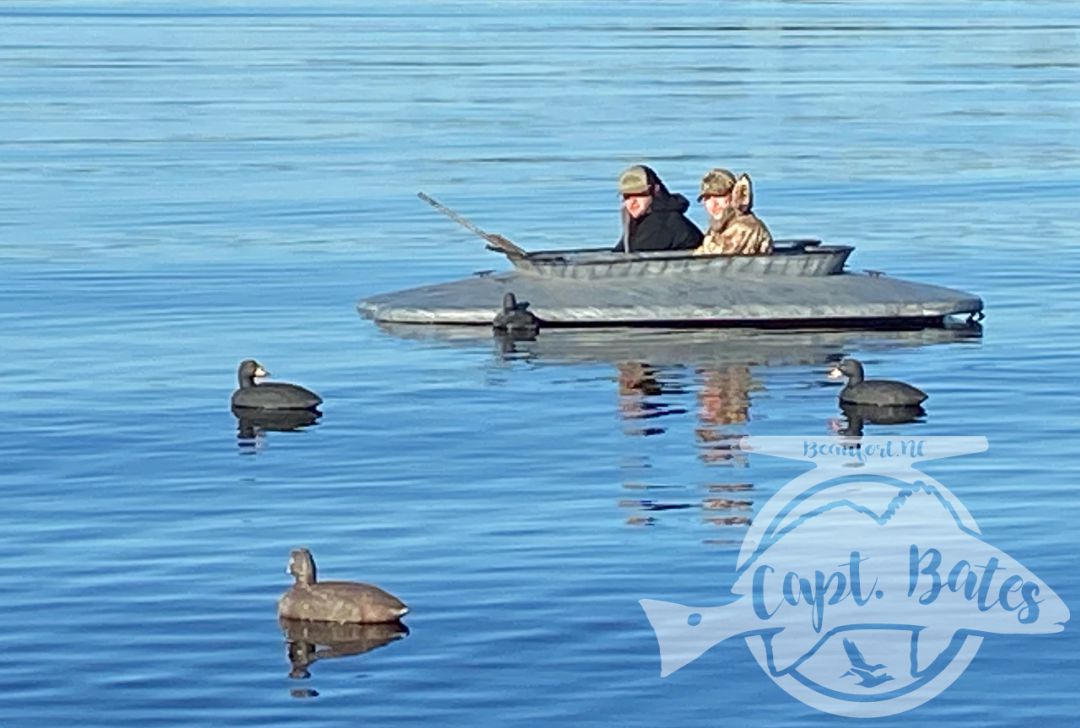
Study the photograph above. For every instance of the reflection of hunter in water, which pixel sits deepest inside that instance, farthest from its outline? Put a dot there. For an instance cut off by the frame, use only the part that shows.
(642, 395)
(724, 399)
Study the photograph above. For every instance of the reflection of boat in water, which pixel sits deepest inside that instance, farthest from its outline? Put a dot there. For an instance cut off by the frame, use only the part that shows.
(803, 283)
(312, 641)
(726, 504)
(665, 377)
(687, 347)
(656, 367)
(251, 423)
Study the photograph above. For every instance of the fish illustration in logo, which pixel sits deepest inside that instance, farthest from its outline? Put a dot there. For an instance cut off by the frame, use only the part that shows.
(882, 568)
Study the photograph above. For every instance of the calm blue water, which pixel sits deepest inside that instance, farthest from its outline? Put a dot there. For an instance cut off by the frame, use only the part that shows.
(181, 189)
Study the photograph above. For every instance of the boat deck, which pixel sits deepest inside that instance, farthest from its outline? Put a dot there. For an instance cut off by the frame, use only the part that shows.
(692, 299)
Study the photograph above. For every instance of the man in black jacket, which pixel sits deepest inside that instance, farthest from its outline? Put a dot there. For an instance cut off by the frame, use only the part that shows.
(653, 217)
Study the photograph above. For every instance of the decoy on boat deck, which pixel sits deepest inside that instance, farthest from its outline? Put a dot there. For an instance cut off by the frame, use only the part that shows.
(515, 318)
(335, 601)
(879, 392)
(270, 395)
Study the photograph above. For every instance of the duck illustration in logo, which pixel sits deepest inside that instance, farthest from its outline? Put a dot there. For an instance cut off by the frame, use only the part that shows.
(863, 593)
(868, 674)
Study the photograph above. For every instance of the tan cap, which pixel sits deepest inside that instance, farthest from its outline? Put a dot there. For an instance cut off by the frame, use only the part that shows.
(634, 181)
(716, 182)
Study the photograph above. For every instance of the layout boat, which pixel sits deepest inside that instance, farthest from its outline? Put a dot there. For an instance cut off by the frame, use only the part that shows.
(804, 283)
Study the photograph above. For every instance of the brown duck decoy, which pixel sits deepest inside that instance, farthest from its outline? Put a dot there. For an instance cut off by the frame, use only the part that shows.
(335, 601)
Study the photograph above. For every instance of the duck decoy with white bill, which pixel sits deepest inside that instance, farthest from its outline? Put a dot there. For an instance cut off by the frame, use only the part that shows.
(880, 392)
(346, 602)
(270, 395)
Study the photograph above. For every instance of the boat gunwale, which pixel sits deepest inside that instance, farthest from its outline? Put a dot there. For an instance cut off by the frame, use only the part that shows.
(607, 256)
(801, 259)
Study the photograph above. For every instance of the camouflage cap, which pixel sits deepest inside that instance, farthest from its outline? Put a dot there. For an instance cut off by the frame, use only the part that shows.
(634, 181)
(716, 182)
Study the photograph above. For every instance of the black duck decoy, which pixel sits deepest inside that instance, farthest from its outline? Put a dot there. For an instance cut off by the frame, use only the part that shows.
(515, 318)
(335, 601)
(879, 392)
(269, 395)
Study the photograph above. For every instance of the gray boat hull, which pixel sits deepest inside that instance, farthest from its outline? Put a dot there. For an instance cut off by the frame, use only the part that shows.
(689, 299)
(698, 347)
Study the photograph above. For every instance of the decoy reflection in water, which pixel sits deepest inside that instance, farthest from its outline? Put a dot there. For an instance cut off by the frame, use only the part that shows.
(515, 319)
(309, 641)
(881, 392)
(507, 346)
(252, 423)
(859, 415)
(334, 601)
(269, 395)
